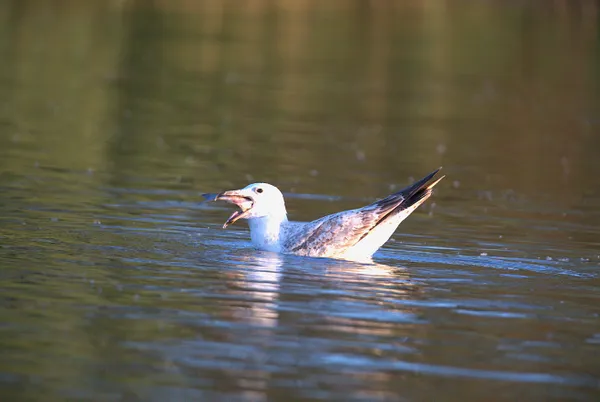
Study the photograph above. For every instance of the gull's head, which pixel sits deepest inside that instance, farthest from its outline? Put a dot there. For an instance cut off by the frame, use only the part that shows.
(256, 200)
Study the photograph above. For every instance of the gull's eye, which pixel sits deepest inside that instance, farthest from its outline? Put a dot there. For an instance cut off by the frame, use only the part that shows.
(259, 190)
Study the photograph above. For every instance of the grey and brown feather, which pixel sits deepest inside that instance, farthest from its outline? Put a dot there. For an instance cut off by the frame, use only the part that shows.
(342, 230)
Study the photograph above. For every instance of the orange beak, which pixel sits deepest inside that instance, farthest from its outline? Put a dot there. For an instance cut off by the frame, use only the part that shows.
(236, 197)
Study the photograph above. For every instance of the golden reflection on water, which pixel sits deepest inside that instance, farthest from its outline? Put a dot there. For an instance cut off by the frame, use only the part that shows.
(350, 96)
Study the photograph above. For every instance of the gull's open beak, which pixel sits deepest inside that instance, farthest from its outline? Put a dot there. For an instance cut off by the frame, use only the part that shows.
(237, 197)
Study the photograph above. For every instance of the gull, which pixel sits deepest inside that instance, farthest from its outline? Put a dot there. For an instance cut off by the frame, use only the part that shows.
(355, 234)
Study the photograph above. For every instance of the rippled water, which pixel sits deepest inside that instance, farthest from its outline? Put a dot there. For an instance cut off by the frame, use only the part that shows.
(118, 283)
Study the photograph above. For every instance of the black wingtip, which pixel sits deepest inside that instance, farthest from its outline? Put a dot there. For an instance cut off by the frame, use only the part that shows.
(409, 191)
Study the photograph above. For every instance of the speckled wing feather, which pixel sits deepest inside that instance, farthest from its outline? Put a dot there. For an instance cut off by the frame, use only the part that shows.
(333, 234)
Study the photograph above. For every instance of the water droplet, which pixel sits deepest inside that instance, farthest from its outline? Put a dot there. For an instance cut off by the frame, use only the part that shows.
(232, 78)
(485, 195)
(564, 163)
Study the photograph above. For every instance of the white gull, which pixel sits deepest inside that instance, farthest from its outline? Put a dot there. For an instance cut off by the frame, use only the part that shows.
(353, 235)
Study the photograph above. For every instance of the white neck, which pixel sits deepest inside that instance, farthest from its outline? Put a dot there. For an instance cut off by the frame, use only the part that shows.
(265, 231)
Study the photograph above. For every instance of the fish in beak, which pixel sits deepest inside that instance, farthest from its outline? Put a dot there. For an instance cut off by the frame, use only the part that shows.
(237, 197)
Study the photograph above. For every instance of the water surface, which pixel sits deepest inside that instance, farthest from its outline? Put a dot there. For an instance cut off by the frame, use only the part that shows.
(117, 283)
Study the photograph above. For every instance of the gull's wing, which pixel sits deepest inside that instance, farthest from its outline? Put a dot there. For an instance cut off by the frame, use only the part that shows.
(333, 234)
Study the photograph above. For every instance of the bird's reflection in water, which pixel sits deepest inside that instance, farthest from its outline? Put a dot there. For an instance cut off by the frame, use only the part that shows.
(367, 268)
(308, 312)
(261, 284)
(273, 283)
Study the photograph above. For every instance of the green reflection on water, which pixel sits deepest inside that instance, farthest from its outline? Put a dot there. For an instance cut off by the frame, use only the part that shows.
(99, 99)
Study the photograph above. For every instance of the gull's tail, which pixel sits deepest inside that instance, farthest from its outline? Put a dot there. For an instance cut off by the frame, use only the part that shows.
(381, 218)
(418, 192)
(408, 198)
